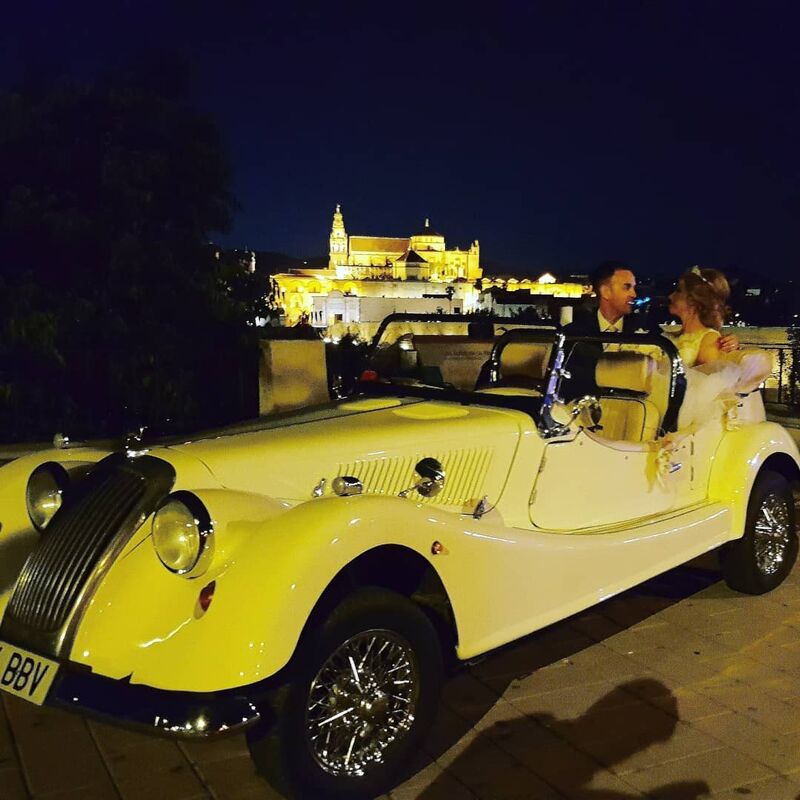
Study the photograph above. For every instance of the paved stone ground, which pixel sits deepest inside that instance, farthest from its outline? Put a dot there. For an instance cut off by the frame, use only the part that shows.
(678, 689)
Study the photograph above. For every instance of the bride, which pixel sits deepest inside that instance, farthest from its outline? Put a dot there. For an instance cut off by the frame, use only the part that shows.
(700, 302)
(713, 383)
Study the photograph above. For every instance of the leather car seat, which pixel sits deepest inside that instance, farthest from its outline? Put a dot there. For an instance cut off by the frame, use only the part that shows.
(626, 381)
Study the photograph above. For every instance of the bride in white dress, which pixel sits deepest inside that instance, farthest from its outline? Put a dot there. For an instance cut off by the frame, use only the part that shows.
(700, 302)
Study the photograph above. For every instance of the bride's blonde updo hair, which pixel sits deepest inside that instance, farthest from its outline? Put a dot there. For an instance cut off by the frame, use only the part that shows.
(707, 291)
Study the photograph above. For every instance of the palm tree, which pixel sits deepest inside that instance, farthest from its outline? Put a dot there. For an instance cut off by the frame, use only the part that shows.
(450, 291)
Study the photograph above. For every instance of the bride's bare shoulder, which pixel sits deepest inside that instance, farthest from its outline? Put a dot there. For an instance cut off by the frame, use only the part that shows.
(708, 347)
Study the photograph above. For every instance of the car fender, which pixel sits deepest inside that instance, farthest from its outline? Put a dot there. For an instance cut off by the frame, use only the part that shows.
(271, 565)
(740, 456)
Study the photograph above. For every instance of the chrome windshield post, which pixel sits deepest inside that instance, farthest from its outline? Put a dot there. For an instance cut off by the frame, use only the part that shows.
(549, 427)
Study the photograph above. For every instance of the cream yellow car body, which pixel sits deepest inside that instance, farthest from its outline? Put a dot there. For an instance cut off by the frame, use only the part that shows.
(277, 548)
(341, 550)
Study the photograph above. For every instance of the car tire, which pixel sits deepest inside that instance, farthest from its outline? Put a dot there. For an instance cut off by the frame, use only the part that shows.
(374, 640)
(765, 555)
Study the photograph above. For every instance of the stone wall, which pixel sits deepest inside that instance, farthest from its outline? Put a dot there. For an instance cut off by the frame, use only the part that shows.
(291, 374)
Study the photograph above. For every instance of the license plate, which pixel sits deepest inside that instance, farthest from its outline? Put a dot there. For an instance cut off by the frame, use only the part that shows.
(25, 674)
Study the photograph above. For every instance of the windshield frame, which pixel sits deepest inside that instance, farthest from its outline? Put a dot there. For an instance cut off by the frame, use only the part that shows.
(677, 384)
(536, 407)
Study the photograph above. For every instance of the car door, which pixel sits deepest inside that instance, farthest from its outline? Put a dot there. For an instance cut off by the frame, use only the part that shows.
(626, 469)
(589, 482)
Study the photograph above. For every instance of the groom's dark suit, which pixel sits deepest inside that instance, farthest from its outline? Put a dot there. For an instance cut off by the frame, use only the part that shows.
(583, 357)
(586, 323)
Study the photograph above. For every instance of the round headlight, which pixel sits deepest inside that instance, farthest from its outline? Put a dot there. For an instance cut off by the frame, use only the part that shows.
(45, 493)
(182, 534)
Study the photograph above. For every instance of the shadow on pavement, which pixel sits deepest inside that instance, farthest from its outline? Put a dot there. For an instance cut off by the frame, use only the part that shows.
(614, 728)
(564, 755)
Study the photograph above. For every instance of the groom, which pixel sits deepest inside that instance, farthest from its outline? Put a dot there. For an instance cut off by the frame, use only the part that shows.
(615, 287)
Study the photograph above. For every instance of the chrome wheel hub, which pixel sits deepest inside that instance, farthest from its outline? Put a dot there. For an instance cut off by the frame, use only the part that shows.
(772, 533)
(363, 698)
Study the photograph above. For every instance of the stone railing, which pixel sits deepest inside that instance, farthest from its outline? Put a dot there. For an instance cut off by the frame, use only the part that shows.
(782, 385)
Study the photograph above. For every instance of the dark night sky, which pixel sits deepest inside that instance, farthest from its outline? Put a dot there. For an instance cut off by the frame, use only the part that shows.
(559, 134)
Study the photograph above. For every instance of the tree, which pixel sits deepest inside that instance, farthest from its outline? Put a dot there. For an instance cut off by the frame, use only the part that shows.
(794, 364)
(248, 294)
(450, 291)
(114, 309)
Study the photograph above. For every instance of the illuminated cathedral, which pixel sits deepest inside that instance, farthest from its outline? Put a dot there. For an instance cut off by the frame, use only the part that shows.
(422, 256)
(370, 277)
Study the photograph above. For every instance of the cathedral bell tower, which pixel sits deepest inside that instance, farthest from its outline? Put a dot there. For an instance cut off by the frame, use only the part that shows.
(338, 241)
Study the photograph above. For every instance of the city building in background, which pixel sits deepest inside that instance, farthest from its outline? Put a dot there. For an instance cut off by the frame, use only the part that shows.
(369, 277)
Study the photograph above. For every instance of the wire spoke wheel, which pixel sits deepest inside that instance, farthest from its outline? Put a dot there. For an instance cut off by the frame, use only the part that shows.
(771, 533)
(363, 699)
(764, 556)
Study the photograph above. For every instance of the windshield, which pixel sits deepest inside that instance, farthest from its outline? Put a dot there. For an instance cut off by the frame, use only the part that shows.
(503, 362)
(439, 351)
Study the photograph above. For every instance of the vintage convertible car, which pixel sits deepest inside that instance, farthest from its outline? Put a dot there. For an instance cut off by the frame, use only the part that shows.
(308, 577)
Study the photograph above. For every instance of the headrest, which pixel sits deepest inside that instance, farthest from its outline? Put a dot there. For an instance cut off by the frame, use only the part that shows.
(625, 370)
(524, 358)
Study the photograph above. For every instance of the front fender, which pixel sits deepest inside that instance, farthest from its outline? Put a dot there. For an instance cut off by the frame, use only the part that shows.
(739, 458)
(270, 567)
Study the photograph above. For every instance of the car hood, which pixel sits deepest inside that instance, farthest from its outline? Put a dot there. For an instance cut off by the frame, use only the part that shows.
(378, 440)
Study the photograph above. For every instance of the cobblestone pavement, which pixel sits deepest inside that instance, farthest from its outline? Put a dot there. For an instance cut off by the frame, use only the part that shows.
(678, 689)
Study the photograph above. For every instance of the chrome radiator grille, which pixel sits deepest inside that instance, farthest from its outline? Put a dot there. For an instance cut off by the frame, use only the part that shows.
(71, 547)
(100, 514)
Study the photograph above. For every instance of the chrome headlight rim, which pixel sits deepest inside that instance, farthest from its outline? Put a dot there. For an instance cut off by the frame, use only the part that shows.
(205, 529)
(60, 477)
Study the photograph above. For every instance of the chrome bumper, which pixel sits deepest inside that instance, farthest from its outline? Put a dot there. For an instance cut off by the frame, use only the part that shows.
(187, 715)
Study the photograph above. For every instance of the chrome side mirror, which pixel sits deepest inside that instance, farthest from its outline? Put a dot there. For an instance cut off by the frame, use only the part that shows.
(432, 477)
(588, 412)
